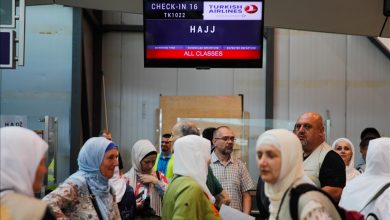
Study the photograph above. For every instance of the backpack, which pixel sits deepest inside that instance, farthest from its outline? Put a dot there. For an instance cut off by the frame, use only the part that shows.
(373, 215)
(299, 190)
(262, 200)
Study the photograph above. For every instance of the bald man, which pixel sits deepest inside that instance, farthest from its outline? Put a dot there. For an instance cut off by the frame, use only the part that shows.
(322, 165)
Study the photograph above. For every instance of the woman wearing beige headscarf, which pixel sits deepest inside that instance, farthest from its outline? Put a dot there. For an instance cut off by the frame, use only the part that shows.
(22, 171)
(280, 162)
(149, 186)
(346, 150)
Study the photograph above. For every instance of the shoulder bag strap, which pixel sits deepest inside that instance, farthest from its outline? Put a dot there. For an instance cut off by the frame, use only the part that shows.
(303, 188)
(295, 193)
(95, 205)
(176, 177)
(281, 203)
(372, 215)
(376, 195)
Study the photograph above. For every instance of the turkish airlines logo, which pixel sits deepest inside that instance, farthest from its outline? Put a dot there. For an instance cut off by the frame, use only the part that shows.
(251, 9)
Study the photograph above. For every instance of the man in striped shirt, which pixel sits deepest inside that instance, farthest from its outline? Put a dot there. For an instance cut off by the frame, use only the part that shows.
(231, 172)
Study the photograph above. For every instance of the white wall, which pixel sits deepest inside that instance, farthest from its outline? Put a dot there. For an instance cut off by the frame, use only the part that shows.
(346, 78)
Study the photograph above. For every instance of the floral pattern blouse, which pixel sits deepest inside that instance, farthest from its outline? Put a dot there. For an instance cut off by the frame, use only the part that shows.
(71, 201)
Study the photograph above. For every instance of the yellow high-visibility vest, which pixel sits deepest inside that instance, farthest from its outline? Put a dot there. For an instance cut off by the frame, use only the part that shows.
(169, 174)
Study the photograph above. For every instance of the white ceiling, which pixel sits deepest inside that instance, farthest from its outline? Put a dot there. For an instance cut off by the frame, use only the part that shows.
(355, 17)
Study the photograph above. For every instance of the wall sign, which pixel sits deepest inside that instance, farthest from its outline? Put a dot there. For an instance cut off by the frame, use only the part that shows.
(13, 120)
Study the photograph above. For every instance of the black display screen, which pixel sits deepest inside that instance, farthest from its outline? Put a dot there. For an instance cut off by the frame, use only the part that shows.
(203, 34)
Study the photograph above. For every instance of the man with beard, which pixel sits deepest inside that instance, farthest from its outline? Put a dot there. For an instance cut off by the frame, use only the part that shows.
(321, 164)
(165, 157)
(231, 172)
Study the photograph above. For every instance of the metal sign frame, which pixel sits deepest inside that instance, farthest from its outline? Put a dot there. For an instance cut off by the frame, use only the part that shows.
(12, 25)
(11, 54)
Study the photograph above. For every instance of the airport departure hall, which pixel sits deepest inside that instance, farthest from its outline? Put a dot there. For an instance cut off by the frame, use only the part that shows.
(196, 109)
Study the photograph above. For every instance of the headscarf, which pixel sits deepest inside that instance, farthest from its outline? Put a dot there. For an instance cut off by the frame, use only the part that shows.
(89, 160)
(141, 149)
(291, 163)
(350, 170)
(192, 154)
(21, 152)
(119, 183)
(361, 189)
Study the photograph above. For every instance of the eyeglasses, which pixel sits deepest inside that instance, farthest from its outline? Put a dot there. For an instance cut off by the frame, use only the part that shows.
(226, 138)
(306, 127)
(165, 142)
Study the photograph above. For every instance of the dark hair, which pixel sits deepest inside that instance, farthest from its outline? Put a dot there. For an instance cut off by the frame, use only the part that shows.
(150, 153)
(208, 133)
(166, 135)
(365, 141)
(369, 132)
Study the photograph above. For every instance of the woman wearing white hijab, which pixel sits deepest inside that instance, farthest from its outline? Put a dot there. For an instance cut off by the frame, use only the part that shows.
(23, 168)
(358, 193)
(149, 186)
(187, 196)
(346, 150)
(87, 194)
(280, 162)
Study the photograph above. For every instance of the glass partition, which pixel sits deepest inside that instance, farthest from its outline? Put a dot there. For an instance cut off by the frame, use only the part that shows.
(246, 131)
(47, 128)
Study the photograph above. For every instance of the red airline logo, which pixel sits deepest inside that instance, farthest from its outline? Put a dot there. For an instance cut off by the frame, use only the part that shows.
(251, 9)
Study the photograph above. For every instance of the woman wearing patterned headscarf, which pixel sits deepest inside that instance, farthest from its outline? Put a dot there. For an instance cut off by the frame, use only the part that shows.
(87, 194)
(149, 186)
(346, 150)
(22, 157)
(280, 162)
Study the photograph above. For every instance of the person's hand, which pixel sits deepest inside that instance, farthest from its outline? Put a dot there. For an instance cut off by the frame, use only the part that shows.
(139, 203)
(146, 178)
(222, 198)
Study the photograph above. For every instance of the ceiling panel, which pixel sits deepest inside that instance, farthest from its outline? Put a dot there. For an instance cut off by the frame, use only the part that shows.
(355, 17)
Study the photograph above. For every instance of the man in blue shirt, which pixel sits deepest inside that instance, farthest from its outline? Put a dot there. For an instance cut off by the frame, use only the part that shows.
(165, 156)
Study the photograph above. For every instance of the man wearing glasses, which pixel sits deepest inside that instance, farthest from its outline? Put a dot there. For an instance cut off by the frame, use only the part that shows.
(164, 161)
(322, 165)
(231, 172)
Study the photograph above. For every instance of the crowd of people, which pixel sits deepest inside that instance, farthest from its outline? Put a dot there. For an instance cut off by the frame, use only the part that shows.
(192, 176)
